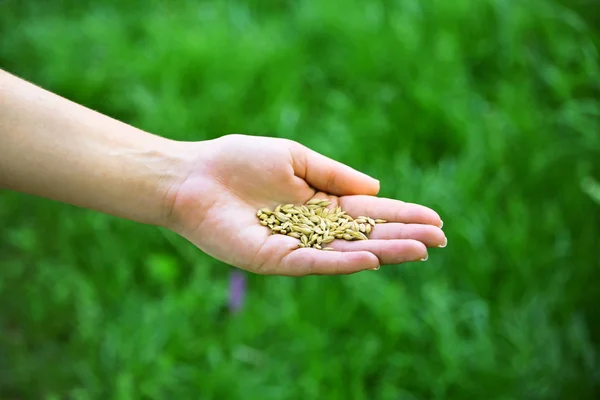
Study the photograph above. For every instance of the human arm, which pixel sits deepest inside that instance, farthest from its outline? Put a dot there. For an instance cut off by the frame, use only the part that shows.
(208, 192)
(54, 148)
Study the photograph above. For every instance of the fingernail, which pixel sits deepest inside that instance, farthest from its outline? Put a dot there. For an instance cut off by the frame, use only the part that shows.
(445, 243)
(375, 269)
(441, 224)
(426, 258)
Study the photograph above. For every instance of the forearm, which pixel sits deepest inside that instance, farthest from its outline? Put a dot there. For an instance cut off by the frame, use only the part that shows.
(54, 148)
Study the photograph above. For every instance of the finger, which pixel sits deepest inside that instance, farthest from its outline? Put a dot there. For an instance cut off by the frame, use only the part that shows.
(329, 175)
(390, 210)
(429, 235)
(302, 262)
(387, 251)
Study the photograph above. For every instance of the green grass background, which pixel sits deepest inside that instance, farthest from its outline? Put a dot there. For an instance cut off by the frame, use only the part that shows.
(487, 111)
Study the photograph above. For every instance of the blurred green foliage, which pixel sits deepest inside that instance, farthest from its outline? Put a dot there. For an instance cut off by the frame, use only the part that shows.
(487, 111)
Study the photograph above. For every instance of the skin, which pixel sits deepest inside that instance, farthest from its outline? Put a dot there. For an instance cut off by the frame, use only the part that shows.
(207, 192)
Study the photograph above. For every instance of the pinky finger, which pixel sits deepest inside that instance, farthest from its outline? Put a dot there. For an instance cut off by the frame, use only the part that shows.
(303, 262)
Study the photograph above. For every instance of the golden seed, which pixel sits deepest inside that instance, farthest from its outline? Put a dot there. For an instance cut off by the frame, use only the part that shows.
(355, 234)
(323, 225)
(327, 248)
(282, 217)
(380, 221)
(315, 224)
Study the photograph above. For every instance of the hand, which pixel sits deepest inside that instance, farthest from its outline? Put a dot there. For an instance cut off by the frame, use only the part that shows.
(230, 178)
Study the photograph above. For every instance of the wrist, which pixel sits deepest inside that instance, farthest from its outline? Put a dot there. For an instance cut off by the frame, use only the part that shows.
(173, 166)
(187, 188)
(183, 169)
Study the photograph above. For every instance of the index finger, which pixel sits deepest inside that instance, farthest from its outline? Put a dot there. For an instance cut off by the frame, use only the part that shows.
(390, 210)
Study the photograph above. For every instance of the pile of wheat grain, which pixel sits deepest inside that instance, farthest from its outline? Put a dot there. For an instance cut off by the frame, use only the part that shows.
(316, 225)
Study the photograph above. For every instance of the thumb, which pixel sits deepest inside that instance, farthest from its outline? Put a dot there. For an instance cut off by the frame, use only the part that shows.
(330, 176)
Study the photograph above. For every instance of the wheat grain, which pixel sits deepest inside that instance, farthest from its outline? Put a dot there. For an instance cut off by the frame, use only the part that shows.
(315, 224)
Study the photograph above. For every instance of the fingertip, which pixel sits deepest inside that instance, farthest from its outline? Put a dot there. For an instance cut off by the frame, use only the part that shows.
(376, 186)
(431, 217)
(362, 184)
(350, 181)
(419, 251)
(363, 259)
(420, 245)
(425, 252)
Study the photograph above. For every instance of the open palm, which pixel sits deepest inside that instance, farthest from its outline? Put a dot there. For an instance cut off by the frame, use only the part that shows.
(229, 178)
